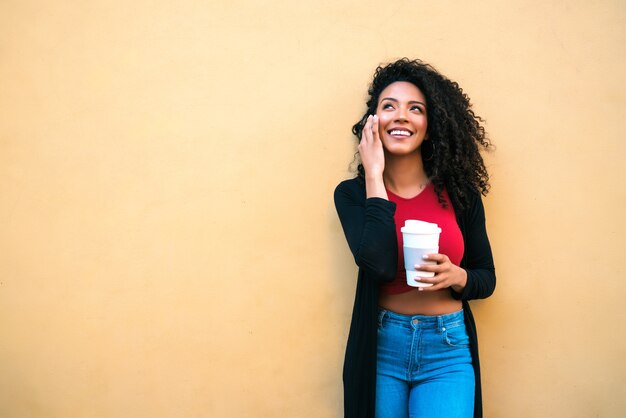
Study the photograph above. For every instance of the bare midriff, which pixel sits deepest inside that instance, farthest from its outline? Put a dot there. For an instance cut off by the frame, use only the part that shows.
(415, 302)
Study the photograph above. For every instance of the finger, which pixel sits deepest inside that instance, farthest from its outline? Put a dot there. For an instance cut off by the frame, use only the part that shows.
(434, 280)
(437, 282)
(366, 134)
(435, 268)
(439, 258)
(375, 136)
(426, 280)
(432, 288)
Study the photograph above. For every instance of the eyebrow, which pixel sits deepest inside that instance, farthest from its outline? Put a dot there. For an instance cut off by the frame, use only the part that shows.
(397, 101)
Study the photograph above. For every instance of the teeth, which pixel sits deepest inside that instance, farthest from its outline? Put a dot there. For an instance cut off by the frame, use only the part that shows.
(398, 132)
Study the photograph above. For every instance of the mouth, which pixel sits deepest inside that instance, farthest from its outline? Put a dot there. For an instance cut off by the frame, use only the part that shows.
(399, 133)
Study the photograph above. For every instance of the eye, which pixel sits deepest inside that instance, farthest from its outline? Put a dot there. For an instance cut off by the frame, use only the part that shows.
(416, 108)
(387, 106)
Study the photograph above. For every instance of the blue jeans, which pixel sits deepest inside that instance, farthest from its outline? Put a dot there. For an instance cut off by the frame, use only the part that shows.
(424, 367)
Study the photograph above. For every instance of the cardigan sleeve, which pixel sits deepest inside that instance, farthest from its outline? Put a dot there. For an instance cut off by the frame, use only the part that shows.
(370, 230)
(478, 259)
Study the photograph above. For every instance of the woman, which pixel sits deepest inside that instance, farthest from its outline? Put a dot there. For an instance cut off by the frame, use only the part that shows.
(412, 351)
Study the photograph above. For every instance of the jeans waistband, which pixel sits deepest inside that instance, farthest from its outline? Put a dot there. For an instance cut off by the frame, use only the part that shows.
(428, 321)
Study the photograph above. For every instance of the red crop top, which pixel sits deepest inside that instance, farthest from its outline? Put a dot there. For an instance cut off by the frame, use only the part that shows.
(424, 207)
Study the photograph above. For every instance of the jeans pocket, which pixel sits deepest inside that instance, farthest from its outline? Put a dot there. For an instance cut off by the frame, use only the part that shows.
(455, 335)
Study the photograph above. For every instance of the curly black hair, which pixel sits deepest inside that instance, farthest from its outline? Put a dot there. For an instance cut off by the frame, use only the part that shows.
(454, 131)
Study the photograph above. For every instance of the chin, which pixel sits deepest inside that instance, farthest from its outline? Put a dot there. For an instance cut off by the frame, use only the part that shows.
(402, 150)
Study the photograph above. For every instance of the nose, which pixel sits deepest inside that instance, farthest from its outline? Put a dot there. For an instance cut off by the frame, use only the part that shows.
(401, 115)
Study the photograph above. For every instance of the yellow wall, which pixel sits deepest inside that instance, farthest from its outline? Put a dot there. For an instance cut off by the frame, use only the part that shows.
(168, 242)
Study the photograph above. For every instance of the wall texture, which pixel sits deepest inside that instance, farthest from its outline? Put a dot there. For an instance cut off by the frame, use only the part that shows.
(169, 246)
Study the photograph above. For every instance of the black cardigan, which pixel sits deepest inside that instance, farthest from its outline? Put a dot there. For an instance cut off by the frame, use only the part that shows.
(371, 233)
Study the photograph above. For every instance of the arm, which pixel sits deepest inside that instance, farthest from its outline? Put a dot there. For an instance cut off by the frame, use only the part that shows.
(366, 214)
(370, 230)
(475, 278)
(478, 259)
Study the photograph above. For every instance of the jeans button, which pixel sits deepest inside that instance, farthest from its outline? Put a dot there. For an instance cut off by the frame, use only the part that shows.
(415, 321)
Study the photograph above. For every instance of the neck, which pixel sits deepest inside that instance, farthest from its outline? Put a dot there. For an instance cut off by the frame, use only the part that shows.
(404, 175)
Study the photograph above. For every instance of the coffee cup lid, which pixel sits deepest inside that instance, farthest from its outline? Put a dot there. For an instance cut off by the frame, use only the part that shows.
(420, 227)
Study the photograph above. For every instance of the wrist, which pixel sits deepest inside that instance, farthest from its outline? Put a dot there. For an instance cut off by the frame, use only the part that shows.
(461, 282)
(375, 186)
(374, 175)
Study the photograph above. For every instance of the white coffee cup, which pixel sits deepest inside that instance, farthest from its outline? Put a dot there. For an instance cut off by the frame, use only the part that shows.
(420, 238)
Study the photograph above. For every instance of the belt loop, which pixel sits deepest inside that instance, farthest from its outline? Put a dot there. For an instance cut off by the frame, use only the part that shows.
(440, 322)
(381, 316)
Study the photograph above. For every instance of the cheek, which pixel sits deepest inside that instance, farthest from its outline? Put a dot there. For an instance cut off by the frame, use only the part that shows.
(382, 123)
(425, 122)
(421, 124)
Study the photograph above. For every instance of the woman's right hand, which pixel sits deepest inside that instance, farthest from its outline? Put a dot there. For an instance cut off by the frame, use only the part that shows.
(373, 159)
(371, 149)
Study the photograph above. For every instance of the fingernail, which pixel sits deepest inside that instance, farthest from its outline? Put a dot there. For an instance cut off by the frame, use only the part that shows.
(425, 256)
(417, 266)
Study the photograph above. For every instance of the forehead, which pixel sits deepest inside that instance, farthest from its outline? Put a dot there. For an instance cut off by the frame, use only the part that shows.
(403, 91)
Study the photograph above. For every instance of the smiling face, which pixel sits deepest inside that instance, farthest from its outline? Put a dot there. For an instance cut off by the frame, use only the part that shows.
(402, 118)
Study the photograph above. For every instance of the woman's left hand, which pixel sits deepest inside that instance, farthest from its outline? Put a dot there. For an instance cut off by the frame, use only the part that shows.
(446, 274)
